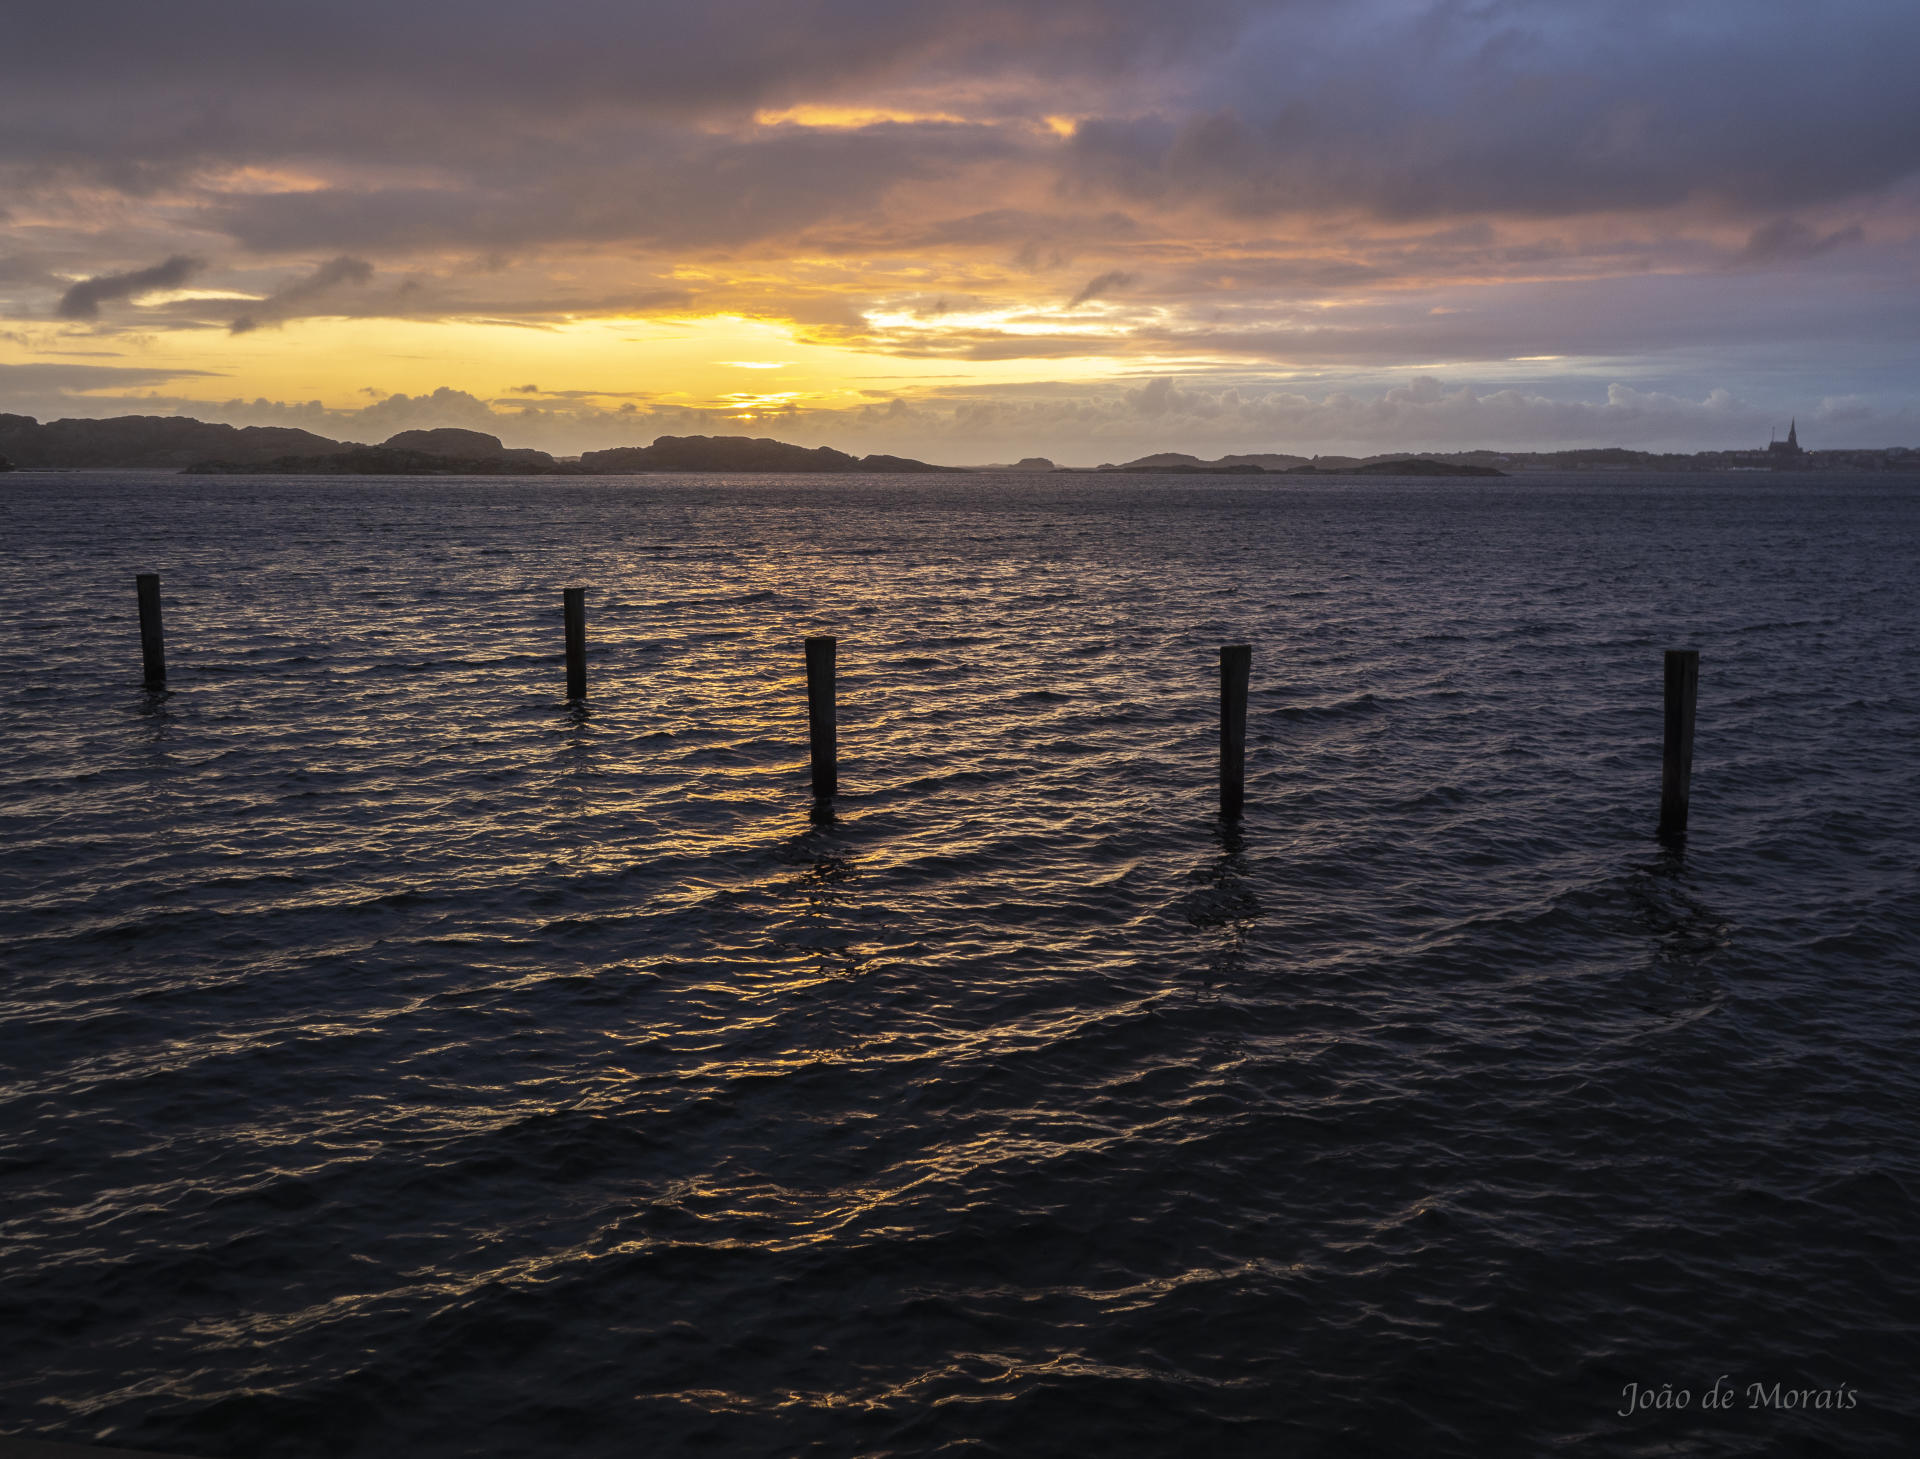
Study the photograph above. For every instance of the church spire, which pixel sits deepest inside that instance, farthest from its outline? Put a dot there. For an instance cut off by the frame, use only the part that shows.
(1793, 435)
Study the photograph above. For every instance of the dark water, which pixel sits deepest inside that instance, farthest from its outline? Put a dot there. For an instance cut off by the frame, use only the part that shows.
(396, 1062)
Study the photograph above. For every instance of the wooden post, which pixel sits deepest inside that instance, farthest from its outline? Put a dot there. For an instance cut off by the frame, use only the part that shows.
(821, 728)
(1236, 666)
(1676, 763)
(576, 611)
(153, 642)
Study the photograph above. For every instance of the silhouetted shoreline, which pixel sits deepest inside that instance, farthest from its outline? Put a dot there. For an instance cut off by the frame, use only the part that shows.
(181, 443)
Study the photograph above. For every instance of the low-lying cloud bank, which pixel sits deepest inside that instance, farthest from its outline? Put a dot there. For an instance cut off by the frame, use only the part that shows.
(1084, 426)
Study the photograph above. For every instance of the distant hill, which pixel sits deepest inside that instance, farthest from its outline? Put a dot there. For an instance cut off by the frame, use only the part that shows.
(448, 441)
(739, 453)
(459, 445)
(385, 461)
(451, 452)
(149, 440)
(1270, 460)
(5, 464)
(166, 442)
(221, 450)
(1180, 461)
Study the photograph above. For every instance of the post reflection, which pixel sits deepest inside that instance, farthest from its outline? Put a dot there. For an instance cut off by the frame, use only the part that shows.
(1681, 939)
(159, 715)
(1222, 902)
(819, 892)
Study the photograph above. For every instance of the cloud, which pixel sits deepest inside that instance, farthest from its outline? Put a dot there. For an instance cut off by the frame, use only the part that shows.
(290, 298)
(23, 268)
(84, 299)
(1100, 286)
(635, 119)
(661, 56)
(19, 379)
(49, 390)
(1788, 240)
(1527, 108)
(1424, 413)
(646, 186)
(441, 407)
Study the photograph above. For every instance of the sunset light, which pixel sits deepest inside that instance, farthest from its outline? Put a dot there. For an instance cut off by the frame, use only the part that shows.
(959, 729)
(1233, 200)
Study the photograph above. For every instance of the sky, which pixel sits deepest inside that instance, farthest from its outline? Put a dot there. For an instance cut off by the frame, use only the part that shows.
(972, 230)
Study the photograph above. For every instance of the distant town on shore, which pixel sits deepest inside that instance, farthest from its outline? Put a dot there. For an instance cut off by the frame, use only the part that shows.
(180, 443)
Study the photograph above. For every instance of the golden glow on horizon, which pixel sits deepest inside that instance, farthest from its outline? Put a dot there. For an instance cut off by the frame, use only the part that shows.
(692, 361)
(1016, 321)
(179, 296)
(847, 116)
(264, 180)
(773, 400)
(836, 330)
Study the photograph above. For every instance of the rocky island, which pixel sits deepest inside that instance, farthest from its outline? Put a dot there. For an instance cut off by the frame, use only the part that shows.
(452, 452)
(147, 440)
(740, 453)
(444, 452)
(202, 449)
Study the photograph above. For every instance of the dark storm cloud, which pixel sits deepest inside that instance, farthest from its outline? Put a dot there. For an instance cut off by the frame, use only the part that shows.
(598, 119)
(437, 124)
(665, 188)
(654, 57)
(1531, 107)
(292, 299)
(84, 299)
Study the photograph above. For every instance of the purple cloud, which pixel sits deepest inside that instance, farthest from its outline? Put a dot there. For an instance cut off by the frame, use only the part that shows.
(84, 299)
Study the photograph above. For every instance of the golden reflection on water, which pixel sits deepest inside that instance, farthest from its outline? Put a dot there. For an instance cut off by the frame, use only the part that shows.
(384, 1019)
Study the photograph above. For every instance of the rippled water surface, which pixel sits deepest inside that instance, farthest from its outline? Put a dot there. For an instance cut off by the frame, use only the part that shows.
(393, 1060)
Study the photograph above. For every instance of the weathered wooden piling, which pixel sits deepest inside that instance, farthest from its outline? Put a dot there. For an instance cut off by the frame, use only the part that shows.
(1236, 667)
(821, 726)
(576, 612)
(1676, 763)
(153, 640)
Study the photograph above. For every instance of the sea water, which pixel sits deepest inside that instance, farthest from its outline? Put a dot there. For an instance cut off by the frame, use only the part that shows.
(394, 1059)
